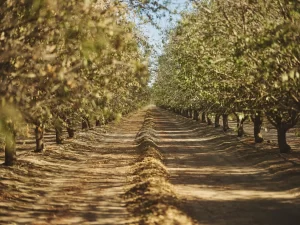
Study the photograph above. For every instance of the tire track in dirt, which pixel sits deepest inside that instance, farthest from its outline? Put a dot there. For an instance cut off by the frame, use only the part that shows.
(80, 182)
(215, 183)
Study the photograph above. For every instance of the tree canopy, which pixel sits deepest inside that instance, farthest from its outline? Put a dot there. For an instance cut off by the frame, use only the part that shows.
(235, 57)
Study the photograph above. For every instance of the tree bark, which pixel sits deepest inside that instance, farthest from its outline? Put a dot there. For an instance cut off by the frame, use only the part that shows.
(98, 123)
(240, 128)
(283, 125)
(281, 135)
(257, 121)
(190, 113)
(182, 112)
(185, 113)
(39, 137)
(203, 117)
(58, 135)
(196, 115)
(217, 120)
(85, 124)
(10, 147)
(240, 124)
(209, 121)
(225, 122)
(70, 130)
(88, 122)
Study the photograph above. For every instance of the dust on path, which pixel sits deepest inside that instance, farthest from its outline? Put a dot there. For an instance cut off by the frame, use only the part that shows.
(220, 180)
(79, 182)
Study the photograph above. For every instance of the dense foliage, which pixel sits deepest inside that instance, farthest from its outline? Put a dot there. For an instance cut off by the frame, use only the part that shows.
(64, 62)
(235, 57)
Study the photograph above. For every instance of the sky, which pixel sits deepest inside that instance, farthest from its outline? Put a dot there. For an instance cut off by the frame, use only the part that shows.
(156, 36)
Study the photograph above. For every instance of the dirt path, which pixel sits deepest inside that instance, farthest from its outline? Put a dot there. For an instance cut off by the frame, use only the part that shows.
(221, 180)
(79, 182)
(218, 178)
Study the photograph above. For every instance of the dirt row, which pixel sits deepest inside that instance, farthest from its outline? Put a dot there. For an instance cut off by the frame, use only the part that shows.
(153, 167)
(151, 198)
(80, 182)
(221, 179)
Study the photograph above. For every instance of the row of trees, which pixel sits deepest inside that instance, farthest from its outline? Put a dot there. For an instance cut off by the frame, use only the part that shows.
(235, 57)
(64, 62)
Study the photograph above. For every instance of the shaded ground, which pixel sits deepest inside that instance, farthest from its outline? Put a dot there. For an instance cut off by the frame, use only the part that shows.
(80, 182)
(223, 180)
(218, 178)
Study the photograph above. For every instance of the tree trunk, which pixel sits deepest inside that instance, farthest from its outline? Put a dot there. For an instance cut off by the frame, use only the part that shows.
(98, 123)
(39, 137)
(58, 135)
(209, 121)
(190, 113)
(283, 125)
(203, 117)
(217, 120)
(281, 134)
(70, 130)
(225, 122)
(84, 124)
(240, 127)
(88, 122)
(240, 124)
(10, 148)
(257, 120)
(196, 115)
(184, 113)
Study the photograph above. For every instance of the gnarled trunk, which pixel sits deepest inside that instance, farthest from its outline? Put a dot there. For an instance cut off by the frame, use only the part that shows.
(70, 130)
(196, 115)
(225, 122)
(98, 123)
(240, 125)
(59, 135)
(190, 113)
(217, 120)
(39, 137)
(10, 148)
(186, 113)
(85, 123)
(283, 125)
(209, 121)
(257, 121)
(203, 117)
(281, 136)
(240, 130)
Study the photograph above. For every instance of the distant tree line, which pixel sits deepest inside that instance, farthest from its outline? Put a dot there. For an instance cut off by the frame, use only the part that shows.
(235, 57)
(68, 62)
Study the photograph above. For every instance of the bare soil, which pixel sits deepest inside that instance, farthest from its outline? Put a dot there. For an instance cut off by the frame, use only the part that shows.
(222, 179)
(79, 182)
(218, 178)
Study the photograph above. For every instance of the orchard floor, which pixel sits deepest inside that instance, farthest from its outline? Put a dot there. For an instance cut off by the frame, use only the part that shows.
(219, 179)
(80, 182)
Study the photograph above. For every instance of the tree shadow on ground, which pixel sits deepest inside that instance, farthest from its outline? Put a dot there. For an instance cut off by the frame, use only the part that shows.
(225, 180)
